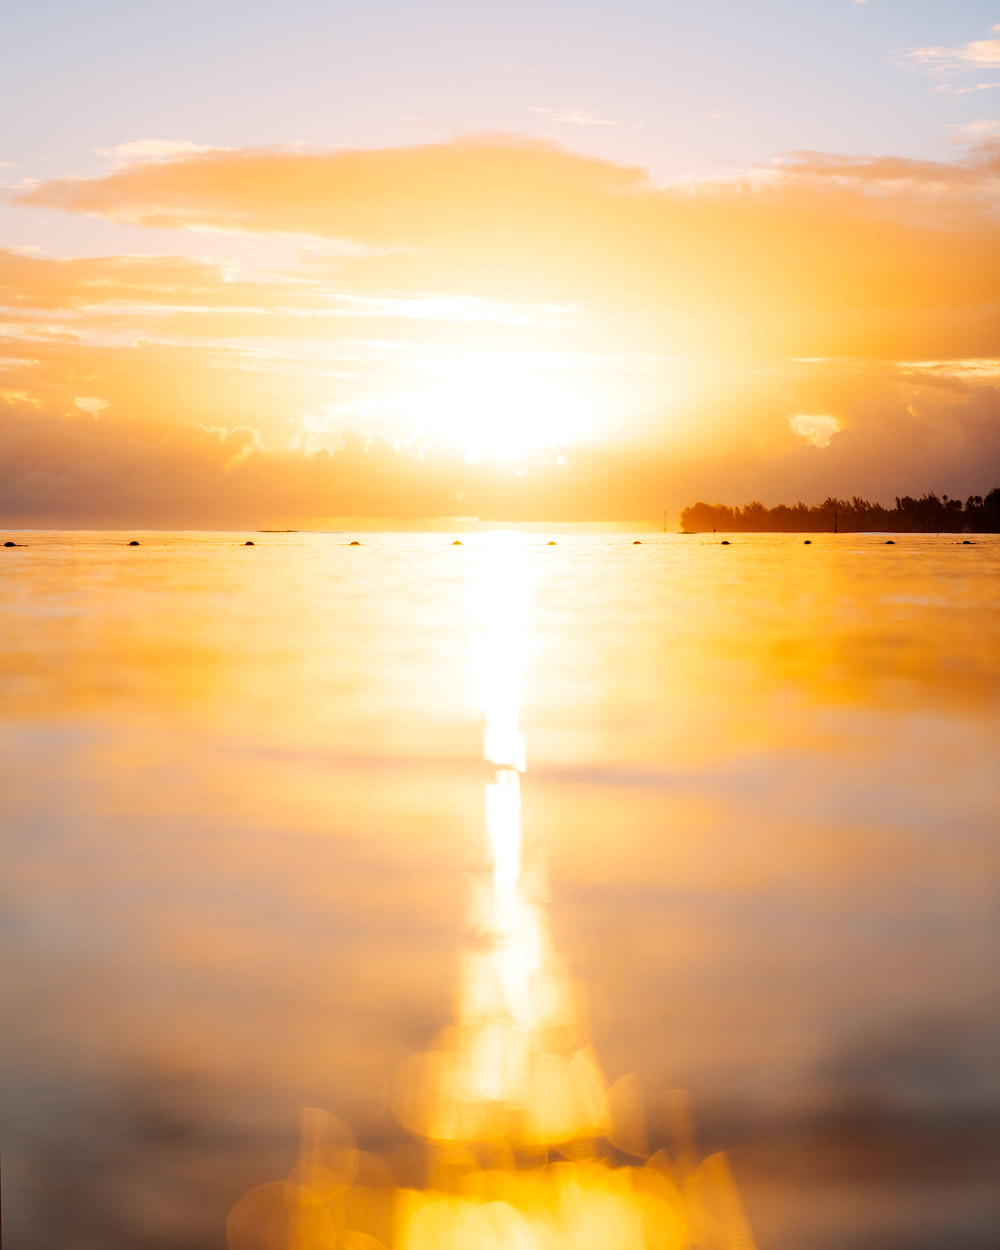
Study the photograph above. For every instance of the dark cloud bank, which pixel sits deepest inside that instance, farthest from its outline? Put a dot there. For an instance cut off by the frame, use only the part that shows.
(104, 471)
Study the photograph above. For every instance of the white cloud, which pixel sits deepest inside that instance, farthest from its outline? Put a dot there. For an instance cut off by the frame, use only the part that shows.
(575, 117)
(982, 53)
(946, 88)
(90, 403)
(817, 429)
(138, 150)
(985, 126)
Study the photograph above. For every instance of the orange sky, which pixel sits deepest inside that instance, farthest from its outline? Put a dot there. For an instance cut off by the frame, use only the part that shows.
(500, 325)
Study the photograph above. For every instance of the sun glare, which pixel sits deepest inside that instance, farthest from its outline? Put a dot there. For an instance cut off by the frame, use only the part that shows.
(527, 1147)
(506, 409)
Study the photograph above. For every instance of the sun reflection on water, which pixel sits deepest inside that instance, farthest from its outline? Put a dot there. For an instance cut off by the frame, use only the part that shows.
(525, 1140)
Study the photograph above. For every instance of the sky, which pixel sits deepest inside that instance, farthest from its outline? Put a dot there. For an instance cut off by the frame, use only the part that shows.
(548, 261)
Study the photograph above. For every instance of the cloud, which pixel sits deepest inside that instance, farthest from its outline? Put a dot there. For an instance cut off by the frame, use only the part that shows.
(930, 443)
(981, 54)
(985, 126)
(386, 198)
(816, 429)
(945, 88)
(575, 117)
(28, 280)
(448, 293)
(91, 404)
(141, 150)
(906, 437)
(975, 175)
(795, 252)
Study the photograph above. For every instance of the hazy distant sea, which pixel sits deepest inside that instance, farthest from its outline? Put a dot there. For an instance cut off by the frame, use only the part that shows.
(241, 788)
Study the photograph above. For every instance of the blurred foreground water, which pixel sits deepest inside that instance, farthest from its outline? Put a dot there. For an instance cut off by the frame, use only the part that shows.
(242, 795)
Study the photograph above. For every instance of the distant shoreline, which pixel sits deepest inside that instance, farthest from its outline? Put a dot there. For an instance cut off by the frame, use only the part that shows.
(980, 514)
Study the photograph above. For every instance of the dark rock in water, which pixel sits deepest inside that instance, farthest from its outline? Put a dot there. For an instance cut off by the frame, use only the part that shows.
(807, 543)
(551, 543)
(636, 542)
(890, 542)
(354, 543)
(249, 543)
(134, 542)
(456, 543)
(724, 543)
(10, 544)
(967, 543)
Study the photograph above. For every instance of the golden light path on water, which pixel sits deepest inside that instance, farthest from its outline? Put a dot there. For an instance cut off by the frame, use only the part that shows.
(526, 1144)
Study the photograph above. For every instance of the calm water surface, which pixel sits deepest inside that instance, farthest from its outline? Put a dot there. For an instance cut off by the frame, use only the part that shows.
(242, 792)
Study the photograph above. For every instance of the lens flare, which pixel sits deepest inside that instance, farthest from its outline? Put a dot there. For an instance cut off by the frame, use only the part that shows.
(523, 1136)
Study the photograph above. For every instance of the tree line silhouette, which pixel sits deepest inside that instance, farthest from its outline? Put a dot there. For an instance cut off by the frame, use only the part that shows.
(980, 514)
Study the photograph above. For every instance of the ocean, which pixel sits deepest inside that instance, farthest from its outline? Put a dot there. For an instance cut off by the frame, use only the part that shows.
(244, 797)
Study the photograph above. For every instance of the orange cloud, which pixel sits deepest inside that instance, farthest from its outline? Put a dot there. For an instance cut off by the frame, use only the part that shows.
(105, 470)
(778, 261)
(700, 321)
(41, 283)
(981, 54)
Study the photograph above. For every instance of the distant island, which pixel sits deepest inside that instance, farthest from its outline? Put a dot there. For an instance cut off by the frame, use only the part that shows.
(926, 515)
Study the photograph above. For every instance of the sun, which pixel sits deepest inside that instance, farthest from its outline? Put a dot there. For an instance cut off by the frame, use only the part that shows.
(505, 408)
